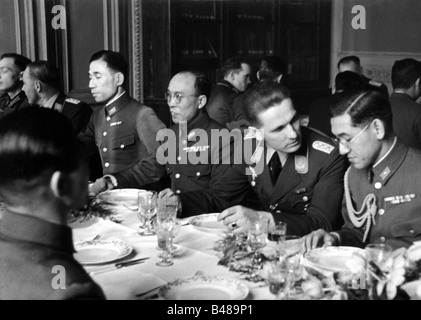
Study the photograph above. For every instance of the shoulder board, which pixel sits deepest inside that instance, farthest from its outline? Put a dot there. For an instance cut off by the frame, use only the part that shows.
(72, 100)
(323, 146)
(375, 83)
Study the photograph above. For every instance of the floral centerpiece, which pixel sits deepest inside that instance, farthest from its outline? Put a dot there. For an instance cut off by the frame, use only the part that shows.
(400, 276)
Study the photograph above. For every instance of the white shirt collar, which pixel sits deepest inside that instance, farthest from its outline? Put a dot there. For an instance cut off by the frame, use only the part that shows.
(387, 153)
(270, 151)
(50, 103)
(115, 98)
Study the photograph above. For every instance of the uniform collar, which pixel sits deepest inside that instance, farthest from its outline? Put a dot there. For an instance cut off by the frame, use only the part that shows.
(401, 95)
(16, 100)
(31, 229)
(117, 104)
(227, 84)
(50, 103)
(385, 169)
(200, 121)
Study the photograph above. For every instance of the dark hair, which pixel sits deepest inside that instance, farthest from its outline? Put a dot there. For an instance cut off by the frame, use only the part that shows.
(275, 66)
(202, 84)
(261, 97)
(348, 80)
(348, 59)
(34, 141)
(20, 61)
(364, 106)
(45, 72)
(114, 61)
(233, 64)
(405, 73)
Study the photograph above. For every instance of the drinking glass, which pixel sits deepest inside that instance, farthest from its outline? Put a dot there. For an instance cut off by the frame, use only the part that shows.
(277, 279)
(277, 234)
(165, 235)
(257, 237)
(377, 254)
(147, 204)
(167, 208)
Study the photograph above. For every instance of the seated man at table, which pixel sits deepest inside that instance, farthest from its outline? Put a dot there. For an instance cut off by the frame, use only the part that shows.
(42, 177)
(294, 173)
(193, 158)
(382, 201)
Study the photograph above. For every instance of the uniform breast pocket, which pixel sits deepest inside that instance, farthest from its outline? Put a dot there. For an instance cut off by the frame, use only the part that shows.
(408, 229)
(122, 142)
(301, 199)
(198, 171)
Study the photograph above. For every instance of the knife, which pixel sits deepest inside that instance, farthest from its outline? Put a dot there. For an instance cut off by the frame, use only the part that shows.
(116, 266)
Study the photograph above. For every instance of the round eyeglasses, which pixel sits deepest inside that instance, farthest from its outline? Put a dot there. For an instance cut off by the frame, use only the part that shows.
(177, 96)
(347, 143)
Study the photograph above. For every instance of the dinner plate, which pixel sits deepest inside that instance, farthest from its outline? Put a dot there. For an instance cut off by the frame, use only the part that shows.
(101, 251)
(204, 288)
(208, 222)
(127, 197)
(334, 259)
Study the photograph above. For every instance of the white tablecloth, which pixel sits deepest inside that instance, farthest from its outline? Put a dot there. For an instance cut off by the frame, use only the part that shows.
(194, 252)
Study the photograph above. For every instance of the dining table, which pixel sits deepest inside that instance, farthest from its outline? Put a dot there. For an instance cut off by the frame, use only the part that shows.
(194, 254)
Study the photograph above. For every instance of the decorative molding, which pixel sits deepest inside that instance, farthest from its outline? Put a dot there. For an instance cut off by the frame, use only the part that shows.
(137, 50)
(115, 23)
(43, 27)
(105, 21)
(17, 27)
(29, 29)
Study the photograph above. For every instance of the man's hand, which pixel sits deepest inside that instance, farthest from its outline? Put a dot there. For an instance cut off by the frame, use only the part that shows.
(319, 238)
(99, 186)
(237, 217)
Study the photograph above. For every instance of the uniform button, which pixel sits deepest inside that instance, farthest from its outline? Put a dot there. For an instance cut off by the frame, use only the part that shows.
(177, 176)
(104, 149)
(278, 211)
(253, 183)
(104, 134)
(412, 231)
(305, 198)
(377, 185)
(272, 207)
(106, 164)
(184, 142)
(178, 158)
(122, 146)
(108, 118)
(381, 212)
(198, 174)
(382, 239)
(177, 191)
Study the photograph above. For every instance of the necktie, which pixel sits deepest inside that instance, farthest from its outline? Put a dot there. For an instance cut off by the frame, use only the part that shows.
(275, 167)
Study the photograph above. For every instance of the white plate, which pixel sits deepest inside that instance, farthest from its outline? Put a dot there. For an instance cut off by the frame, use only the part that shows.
(204, 288)
(208, 222)
(101, 251)
(126, 197)
(332, 258)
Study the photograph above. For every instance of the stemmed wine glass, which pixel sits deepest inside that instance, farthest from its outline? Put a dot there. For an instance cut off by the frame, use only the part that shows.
(257, 238)
(147, 204)
(165, 236)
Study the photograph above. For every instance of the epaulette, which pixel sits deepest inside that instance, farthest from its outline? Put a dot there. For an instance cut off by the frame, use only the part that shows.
(375, 83)
(72, 100)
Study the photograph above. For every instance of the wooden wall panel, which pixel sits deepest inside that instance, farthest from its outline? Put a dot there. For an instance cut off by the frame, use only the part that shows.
(8, 33)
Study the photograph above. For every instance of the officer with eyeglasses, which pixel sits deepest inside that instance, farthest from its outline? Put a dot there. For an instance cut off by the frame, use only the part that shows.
(382, 198)
(193, 159)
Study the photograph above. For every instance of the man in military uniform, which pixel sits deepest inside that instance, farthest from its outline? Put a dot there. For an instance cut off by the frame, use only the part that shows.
(193, 157)
(41, 85)
(124, 131)
(12, 66)
(382, 199)
(353, 63)
(236, 72)
(295, 173)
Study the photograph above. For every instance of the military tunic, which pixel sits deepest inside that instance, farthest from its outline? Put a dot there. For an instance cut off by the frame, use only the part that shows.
(198, 160)
(77, 111)
(8, 105)
(396, 184)
(125, 134)
(220, 104)
(307, 194)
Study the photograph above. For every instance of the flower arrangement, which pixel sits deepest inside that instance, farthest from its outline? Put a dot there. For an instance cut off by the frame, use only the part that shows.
(400, 276)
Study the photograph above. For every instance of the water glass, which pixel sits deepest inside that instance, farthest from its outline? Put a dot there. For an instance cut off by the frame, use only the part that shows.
(147, 206)
(165, 236)
(377, 254)
(167, 209)
(277, 279)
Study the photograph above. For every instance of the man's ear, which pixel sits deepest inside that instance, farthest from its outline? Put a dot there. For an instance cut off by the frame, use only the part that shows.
(37, 86)
(202, 101)
(380, 129)
(61, 186)
(120, 78)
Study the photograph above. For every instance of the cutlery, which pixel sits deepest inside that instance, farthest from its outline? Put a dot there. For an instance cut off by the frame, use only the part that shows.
(116, 266)
(146, 292)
